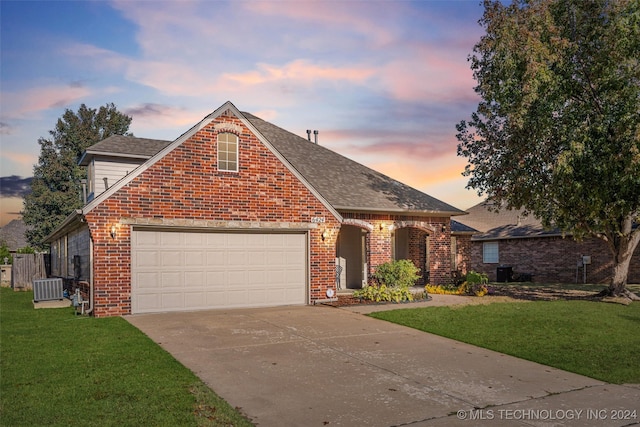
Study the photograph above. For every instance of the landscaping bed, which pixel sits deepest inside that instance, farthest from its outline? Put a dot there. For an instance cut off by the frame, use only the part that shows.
(348, 300)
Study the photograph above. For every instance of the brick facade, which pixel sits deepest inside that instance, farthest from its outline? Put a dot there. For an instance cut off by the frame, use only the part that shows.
(554, 259)
(182, 189)
(463, 253)
(185, 184)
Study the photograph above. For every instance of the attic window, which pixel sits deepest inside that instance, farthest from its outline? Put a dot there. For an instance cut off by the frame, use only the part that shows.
(227, 152)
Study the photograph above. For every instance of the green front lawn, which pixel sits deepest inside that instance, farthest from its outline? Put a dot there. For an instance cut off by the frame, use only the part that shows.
(60, 369)
(595, 339)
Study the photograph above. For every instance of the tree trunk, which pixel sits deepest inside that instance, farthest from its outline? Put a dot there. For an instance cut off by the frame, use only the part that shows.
(623, 245)
(620, 271)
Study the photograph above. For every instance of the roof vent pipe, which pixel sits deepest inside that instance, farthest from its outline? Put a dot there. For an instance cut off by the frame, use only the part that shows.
(315, 136)
(309, 134)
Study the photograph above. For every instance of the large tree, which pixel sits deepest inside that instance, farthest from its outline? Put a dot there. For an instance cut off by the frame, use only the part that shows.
(56, 185)
(557, 130)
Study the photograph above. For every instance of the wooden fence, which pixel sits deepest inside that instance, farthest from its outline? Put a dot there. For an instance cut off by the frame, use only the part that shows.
(26, 268)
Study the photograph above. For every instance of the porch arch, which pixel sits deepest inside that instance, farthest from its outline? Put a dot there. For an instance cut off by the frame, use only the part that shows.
(412, 240)
(421, 225)
(358, 223)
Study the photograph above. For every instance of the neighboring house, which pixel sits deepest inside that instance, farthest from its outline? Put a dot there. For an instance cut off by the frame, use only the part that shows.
(238, 212)
(509, 242)
(13, 235)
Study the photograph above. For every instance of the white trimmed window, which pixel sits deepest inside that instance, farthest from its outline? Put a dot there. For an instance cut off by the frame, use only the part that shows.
(490, 253)
(227, 152)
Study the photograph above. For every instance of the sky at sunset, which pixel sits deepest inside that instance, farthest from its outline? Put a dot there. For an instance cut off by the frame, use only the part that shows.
(384, 82)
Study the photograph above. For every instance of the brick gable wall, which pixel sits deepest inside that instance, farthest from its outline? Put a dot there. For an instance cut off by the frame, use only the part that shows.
(185, 184)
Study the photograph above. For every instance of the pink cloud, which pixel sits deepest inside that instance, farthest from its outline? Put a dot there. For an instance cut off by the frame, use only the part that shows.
(429, 74)
(300, 71)
(20, 105)
(358, 17)
(152, 118)
(421, 173)
(26, 160)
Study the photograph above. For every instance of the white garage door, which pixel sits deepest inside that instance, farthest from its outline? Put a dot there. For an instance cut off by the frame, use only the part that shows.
(176, 271)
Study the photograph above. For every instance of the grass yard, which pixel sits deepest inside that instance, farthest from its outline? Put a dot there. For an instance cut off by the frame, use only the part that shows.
(595, 339)
(60, 369)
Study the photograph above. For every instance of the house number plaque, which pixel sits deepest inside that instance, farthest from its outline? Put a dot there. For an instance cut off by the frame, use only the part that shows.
(317, 219)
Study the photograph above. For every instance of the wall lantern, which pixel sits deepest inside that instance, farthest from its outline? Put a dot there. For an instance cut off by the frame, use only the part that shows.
(323, 235)
(381, 226)
(444, 228)
(113, 231)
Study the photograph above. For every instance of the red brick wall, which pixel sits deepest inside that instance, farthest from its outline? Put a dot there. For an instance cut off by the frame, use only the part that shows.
(185, 184)
(554, 259)
(464, 253)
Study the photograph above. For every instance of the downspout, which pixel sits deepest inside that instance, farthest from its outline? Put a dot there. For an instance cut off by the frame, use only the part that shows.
(90, 310)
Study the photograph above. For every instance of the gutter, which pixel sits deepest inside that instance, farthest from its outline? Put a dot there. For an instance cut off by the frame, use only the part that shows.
(432, 214)
(91, 298)
(74, 216)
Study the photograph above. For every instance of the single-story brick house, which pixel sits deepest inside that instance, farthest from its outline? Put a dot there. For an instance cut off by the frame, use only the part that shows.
(511, 242)
(238, 212)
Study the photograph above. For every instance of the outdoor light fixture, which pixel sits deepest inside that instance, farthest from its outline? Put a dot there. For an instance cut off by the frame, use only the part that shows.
(381, 226)
(113, 231)
(324, 235)
(444, 228)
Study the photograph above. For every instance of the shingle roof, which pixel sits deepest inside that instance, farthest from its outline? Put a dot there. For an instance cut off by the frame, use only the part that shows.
(344, 183)
(124, 146)
(504, 224)
(459, 228)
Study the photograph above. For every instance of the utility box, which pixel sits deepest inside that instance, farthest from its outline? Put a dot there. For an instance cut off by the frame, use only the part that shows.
(504, 274)
(5, 277)
(586, 259)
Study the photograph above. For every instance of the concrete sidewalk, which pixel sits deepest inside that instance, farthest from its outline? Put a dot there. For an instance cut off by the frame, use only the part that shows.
(316, 366)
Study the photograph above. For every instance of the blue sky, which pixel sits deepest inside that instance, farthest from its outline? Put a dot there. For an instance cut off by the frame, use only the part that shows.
(384, 82)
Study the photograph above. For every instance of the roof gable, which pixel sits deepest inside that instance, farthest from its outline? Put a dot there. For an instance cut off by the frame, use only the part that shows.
(227, 109)
(339, 182)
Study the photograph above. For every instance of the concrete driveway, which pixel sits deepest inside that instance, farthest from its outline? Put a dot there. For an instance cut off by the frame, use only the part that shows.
(317, 366)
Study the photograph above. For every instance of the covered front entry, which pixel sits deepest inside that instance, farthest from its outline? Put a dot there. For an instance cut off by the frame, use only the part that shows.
(413, 244)
(351, 257)
(196, 270)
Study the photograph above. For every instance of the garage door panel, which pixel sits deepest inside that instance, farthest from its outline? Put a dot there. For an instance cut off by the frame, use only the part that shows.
(172, 300)
(148, 303)
(214, 258)
(171, 239)
(170, 279)
(194, 279)
(195, 299)
(174, 271)
(195, 258)
(236, 278)
(147, 258)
